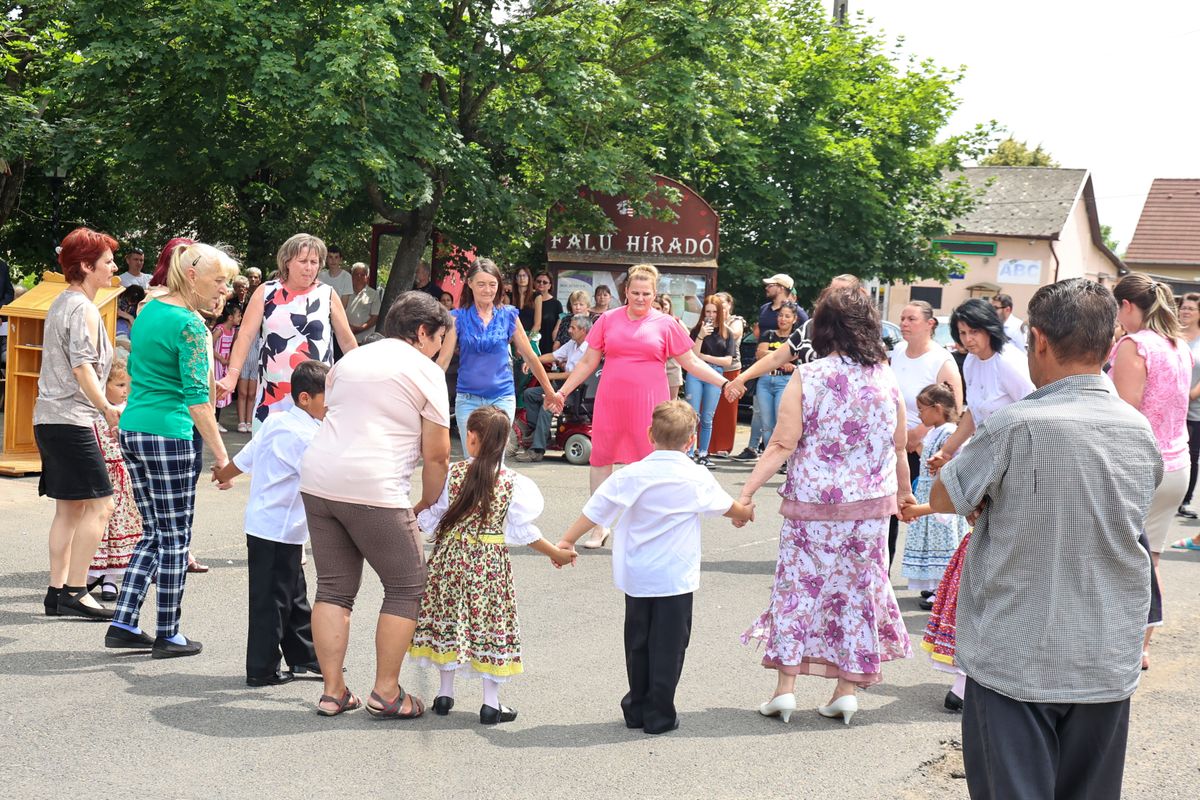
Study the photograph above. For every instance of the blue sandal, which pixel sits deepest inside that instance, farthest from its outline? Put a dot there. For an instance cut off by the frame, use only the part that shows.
(1186, 544)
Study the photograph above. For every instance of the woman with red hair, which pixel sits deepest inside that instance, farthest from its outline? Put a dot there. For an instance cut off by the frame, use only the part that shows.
(76, 357)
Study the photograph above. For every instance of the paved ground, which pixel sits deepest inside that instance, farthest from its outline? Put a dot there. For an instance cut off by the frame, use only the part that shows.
(78, 719)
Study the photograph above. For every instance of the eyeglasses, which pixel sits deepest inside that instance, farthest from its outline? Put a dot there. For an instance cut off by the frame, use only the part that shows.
(542, 282)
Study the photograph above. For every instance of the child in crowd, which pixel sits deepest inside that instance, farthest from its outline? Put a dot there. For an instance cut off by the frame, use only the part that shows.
(276, 530)
(468, 617)
(127, 308)
(656, 557)
(125, 523)
(932, 539)
(224, 333)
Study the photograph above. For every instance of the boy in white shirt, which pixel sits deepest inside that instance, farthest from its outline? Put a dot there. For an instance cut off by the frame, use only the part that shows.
(276, 530)
(656, 557)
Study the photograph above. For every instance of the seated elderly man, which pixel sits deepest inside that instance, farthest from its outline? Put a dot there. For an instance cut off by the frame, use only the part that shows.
(1055, 587)
(565, 357)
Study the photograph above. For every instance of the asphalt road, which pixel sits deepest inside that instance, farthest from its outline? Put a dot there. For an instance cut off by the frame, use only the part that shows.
(80, 720)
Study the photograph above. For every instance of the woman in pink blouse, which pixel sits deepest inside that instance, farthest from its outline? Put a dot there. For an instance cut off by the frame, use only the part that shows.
(1152, 370)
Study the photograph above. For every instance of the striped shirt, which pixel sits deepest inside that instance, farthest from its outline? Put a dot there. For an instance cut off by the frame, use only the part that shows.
(1055, 587)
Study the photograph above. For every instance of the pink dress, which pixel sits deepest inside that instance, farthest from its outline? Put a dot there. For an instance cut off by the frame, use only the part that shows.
(223, 346)
(833, 612)
(633, 381)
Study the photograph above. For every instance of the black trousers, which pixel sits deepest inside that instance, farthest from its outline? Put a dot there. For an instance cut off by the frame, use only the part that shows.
(1193, 429)
(280, 617)
(657, 631)
(914, 469)
(1042, 751)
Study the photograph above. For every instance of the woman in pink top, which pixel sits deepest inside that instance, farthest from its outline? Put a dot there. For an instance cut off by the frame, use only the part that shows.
(1152, 370)
(635, 342)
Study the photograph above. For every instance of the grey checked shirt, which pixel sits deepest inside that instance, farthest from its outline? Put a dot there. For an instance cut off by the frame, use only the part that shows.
(1055, 587)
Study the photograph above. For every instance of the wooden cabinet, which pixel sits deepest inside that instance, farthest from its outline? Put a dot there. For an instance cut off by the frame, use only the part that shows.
(26, 324)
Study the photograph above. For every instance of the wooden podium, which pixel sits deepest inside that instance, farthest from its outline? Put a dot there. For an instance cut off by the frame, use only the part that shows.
(26, 322)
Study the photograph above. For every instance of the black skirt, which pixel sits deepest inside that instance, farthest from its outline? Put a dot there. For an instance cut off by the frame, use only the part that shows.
(72, 464)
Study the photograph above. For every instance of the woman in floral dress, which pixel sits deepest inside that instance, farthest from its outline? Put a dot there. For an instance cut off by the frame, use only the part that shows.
(832, 611)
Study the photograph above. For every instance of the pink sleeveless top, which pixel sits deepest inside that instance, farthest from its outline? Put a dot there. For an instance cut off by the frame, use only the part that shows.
(1165, 399)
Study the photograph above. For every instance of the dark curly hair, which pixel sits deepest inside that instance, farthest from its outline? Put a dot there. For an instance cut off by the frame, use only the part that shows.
(978, 313)
(845, 321)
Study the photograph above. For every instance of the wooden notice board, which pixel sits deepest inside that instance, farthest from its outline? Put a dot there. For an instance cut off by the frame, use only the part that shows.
(26, 325)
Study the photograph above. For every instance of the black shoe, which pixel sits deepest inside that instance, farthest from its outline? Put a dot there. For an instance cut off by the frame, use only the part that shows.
(926, 594)
(70, 605)
(953, 702)
(668, 729)
(926, 605)
(705, 461)
(1187, 513)
(278, 679)
(443, 704)
(311, 669)
(119, 637)
(165, 648)
(749, 454)
(106, 594)
(50, 603)
(491, 716)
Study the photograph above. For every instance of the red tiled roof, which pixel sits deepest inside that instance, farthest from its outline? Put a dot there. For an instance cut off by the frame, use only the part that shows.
(1168, 232)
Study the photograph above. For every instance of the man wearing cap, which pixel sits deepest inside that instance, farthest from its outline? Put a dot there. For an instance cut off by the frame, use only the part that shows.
(779, 291)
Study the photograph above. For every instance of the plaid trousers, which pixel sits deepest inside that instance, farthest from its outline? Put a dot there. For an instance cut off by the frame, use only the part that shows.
(164, 486)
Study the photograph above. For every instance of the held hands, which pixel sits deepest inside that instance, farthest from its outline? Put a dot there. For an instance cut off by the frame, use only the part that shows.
(216, 472)
(908, 508)
(734, 390)
(564, 554)
(554, 402)
(112, 415)
(939, 460)
(227, 385)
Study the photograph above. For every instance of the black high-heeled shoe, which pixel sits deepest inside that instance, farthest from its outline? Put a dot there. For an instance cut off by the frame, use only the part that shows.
(70, 605)
(50, 603)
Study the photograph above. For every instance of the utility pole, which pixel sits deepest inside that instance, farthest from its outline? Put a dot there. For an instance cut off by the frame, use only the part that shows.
(841, 10)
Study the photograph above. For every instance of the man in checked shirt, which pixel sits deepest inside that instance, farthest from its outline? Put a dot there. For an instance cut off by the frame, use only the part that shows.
(1055, 587)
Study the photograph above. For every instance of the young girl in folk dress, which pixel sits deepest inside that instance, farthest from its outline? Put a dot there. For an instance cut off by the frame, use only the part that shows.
(468, 617)
(224, 335)
(931, 540)
(125, 524)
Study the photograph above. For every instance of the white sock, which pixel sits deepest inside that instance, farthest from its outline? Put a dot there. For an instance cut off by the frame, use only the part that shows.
(447, 689)
(960, 686)
(491, 693)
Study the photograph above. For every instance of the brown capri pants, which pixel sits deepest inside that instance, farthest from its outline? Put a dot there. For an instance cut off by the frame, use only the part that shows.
(343, 534)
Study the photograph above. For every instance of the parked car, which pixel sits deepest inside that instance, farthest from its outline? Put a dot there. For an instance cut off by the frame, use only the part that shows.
(941, 334)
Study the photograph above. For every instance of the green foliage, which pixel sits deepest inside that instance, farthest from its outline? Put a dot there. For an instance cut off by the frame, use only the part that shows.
(1109, 240)
(1011, 153)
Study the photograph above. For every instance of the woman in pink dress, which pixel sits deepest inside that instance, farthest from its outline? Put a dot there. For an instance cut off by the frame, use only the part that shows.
(635, 342)
(841, 428)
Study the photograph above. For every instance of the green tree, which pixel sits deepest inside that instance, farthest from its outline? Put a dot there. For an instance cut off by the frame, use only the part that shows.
(1011, 153)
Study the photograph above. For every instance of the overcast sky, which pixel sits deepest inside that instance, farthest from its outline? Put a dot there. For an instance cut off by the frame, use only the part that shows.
(1109, 87)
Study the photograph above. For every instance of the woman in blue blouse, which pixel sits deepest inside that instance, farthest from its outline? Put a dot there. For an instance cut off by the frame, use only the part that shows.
(483, 332)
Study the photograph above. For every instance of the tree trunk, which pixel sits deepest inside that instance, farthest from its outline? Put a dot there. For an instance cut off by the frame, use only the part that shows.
(408, 255)
(11, 182)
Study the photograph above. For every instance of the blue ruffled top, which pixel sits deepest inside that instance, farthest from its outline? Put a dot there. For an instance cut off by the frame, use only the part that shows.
(484, 366)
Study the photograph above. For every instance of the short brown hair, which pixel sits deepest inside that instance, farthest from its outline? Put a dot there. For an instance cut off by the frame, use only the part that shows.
(845, 321)
(673, 424)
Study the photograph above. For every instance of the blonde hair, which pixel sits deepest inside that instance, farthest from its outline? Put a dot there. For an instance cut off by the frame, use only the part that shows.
(1156, 301)
(579, 295)
(293, 247)
(120, 365)
(647, 272)
(202, 258)
(673, 424)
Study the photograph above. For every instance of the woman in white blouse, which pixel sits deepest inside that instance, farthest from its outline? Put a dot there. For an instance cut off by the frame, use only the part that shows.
(997, 376)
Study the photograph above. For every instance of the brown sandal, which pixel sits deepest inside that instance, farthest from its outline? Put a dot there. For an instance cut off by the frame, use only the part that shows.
(392, 710)
(348, 703)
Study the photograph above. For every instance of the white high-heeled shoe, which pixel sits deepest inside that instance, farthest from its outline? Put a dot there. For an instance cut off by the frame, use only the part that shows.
(781, 706)
(845, 707)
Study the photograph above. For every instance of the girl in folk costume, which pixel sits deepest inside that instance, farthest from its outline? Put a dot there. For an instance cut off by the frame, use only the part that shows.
(468, 617)
(931, 540)
(224, 335)
(125, 523)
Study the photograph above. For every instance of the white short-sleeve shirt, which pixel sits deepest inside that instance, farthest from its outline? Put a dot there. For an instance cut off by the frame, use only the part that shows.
(914, 374)
(275, 511)
(998, 382)
(656, 540)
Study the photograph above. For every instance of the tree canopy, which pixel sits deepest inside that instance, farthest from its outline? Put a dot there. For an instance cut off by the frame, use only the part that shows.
(1011, 153)
(245, 120)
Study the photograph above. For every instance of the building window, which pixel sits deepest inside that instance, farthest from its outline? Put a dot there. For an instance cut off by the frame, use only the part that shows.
(930, 294)
(962, 248)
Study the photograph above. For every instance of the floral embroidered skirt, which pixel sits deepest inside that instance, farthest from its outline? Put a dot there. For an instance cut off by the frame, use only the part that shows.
(833, 612)
(939, 631)
(124, 529)
(468, 617)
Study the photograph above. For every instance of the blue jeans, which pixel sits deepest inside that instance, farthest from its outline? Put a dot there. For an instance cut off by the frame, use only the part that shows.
(703, 397)
(465, 403)
(768, 392)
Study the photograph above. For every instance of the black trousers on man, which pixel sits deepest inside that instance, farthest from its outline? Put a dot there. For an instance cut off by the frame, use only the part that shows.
(1042, 751)
(657, 631)
(280, 617)
(914, 472)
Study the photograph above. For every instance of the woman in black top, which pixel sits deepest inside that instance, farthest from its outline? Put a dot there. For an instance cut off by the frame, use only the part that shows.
(769, 389)
(546, 310)
(522, 296)
(715, 345)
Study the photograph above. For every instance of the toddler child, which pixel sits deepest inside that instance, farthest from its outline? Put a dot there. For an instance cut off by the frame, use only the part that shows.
(656, 557)
(223, 335)
(125, 523)
(468, 616)
(276, 530)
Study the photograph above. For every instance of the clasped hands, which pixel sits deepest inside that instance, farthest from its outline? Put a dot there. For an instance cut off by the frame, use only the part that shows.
(734, 390)
(554, 402)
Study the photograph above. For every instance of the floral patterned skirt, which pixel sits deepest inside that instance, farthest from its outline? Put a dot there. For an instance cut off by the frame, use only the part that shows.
(939, 631)
(468, 617)
(124, 529)
(833, 612)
